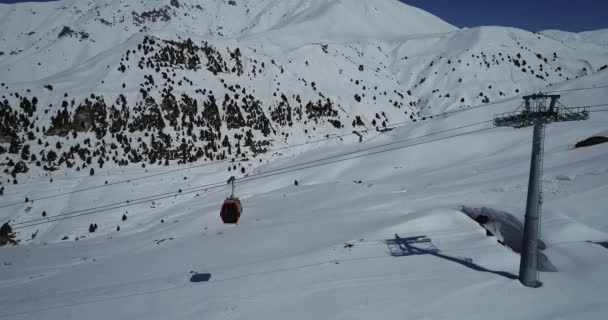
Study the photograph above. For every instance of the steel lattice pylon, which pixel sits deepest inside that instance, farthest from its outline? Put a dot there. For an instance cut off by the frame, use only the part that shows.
(537, 111)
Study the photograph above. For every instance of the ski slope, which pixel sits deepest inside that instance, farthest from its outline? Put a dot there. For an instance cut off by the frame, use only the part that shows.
(288, 257)
(372, 230)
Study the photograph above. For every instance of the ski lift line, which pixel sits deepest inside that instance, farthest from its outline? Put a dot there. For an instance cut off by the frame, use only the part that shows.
(280, 171)
(340, 156)
(392, 126)
(193, 167)
(112, 184)
(578, 89)
(346, 154)
(478, 106)
(67, 216)
(519, 97)
(173, 171)
(433, 117)
(187, 168)
(596, 106)
(202, 165)
(266, 175)
(219, 184)
(125, 203)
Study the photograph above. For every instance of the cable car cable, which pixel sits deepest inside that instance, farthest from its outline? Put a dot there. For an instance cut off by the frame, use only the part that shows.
(432, 117)
(126, 203)
(263, 175)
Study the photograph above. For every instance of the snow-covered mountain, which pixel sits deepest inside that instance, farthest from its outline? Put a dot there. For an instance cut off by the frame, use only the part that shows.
(97, 27)
(588, 38)
(150, 82)
(112, 98)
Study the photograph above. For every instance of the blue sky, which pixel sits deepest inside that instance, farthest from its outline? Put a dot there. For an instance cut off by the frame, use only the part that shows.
(533, 15)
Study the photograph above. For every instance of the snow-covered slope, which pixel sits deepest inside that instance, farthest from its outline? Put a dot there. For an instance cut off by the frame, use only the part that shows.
(594, 38)
(133, 91)
(269, 73)
(33, 31)
(374, 237)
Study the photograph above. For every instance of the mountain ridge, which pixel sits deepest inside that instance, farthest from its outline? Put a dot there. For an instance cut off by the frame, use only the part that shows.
(288, 79)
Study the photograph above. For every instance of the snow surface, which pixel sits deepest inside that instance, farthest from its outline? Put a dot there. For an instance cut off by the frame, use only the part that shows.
(287, 258)
(597, 37)
(375, 237)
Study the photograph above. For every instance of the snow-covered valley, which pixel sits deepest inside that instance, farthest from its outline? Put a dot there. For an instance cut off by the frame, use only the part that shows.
(353, 206)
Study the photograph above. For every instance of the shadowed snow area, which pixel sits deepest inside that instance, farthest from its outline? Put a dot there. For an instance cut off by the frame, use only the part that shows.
(508, 230)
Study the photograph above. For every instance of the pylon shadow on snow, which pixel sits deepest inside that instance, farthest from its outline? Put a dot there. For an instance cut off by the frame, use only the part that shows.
(423, 245)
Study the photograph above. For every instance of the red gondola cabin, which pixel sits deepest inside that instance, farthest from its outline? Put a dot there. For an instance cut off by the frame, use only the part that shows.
(231, 211)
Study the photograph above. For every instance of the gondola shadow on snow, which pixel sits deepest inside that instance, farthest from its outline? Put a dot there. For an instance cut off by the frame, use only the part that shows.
(199, 277)
(422, 245)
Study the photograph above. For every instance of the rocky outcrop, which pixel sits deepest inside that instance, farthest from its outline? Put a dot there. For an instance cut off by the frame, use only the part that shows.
(90, 115)
(69, 32)
(83, 119)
